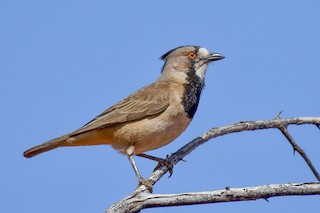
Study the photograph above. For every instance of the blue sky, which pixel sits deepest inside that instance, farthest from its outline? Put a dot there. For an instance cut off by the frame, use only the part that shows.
(64, 62)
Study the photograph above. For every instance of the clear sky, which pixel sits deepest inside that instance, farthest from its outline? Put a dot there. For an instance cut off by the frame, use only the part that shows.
(64, 62)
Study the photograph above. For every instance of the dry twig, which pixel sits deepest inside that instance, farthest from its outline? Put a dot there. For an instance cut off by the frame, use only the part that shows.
(297, 148)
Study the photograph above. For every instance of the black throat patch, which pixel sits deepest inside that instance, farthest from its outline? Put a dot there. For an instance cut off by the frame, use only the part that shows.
(192, 93)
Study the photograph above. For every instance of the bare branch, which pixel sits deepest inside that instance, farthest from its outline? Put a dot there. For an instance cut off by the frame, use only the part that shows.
(233, 128)
(146, 200)
(141, 197)
(297, 148)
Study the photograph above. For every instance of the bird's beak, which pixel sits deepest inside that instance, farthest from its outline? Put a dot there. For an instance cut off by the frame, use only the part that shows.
(215, 57)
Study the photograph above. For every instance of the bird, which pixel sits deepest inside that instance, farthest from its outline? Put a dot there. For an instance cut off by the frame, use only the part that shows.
(151, 117)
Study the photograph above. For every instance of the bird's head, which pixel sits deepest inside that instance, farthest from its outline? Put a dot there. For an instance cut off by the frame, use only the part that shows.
(185, 61)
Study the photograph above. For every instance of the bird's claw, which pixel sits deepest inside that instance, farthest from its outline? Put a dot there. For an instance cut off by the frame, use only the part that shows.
(166, 163)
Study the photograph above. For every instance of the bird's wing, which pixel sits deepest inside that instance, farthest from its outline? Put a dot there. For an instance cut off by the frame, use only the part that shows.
(148, 101)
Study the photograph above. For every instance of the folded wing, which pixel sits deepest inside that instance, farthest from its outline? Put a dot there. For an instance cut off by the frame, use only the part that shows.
(141, 104)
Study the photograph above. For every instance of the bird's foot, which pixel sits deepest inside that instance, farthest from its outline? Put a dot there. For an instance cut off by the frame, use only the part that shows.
(166, 163)
(161, 162)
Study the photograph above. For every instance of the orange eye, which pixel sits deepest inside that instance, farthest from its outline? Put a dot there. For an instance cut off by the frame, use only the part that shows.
(192, 55)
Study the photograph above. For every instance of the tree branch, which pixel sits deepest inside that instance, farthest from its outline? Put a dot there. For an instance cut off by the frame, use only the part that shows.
(297, 148)
(133, 202)
(233, 128)
(148, 200)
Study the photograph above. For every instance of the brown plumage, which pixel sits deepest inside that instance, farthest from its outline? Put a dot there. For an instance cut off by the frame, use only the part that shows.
(128, 122)
(151, 117)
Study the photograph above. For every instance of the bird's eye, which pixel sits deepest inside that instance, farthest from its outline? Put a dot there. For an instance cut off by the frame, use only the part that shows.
(192, 55)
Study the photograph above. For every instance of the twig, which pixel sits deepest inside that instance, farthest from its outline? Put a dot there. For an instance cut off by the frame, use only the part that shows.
(297, 148)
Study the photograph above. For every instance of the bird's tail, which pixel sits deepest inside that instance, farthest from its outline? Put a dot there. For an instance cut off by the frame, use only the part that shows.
(47, 146)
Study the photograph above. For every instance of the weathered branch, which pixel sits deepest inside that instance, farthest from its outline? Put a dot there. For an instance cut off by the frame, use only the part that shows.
(233, 128)
(148, 200)
(297, 148)
(141, 193)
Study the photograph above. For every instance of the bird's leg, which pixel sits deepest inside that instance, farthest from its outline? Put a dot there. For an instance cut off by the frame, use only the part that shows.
(130, 153)
(161, 162)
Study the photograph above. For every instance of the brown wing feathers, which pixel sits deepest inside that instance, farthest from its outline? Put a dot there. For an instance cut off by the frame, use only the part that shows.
(145, 102)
